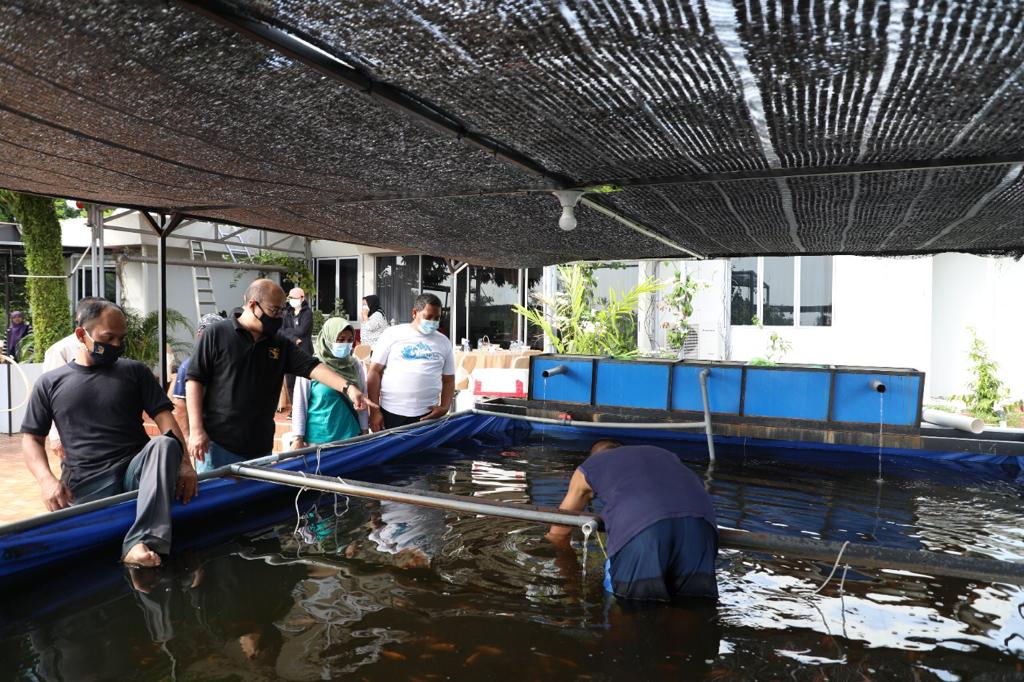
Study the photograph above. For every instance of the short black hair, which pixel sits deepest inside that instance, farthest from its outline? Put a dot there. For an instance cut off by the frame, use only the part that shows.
(604, 444)
(423, 300)
(89, 312)
(83, 304)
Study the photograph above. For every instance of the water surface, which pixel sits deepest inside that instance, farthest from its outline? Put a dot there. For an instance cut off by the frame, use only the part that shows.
(388, 591)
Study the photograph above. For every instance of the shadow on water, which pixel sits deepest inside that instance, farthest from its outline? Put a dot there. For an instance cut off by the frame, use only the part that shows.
(385, 590)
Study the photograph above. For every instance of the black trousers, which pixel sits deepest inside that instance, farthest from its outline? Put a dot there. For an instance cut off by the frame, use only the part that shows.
(393, 420)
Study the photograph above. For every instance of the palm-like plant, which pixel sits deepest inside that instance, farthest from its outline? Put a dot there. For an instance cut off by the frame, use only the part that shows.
(577, 327)
(142, 342)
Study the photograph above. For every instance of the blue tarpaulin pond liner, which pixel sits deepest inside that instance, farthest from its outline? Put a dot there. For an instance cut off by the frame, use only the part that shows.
(49, 540)
(60, 536)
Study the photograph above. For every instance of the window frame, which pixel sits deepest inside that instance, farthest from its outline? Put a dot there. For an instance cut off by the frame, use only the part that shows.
(759, 303)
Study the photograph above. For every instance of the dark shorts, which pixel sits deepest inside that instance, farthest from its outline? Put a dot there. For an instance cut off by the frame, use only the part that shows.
(392, 420)
(671, 559)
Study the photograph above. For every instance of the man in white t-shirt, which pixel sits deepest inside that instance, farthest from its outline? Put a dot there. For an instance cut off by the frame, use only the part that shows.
(419, 380)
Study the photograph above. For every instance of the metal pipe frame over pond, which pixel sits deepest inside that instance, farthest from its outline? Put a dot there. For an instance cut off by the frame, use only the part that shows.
(857, 554)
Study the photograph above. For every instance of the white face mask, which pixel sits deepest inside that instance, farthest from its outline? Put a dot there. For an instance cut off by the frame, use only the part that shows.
(295, 303)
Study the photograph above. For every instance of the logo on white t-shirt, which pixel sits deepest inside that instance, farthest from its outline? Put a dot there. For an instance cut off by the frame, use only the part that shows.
(420, 351)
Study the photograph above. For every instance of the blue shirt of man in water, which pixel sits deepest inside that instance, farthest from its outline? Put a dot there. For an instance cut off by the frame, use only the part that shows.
(662, 531)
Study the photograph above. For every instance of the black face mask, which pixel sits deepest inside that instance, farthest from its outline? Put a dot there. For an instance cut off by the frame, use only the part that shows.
(104, 353)
(271, 325)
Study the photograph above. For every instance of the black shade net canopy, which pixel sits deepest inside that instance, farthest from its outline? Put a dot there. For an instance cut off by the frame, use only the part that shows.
(706, 128)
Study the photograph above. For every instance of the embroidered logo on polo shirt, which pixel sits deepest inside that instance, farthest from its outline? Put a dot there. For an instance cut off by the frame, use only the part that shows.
(275, 352)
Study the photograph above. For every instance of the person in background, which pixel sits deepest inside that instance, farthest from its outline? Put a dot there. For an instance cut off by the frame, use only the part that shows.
(178, 391)
(297, 327)
(18, 330)
(235, 376)
(321, 414)
(374, 322)
(412, 369)
(661, 525)
(97, 402)
(60, 354)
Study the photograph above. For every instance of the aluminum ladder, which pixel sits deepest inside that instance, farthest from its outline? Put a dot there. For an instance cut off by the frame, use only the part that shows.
(238, 249)
(202, 281)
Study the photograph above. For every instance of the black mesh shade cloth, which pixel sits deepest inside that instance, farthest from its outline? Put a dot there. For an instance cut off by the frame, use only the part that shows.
(727, 128)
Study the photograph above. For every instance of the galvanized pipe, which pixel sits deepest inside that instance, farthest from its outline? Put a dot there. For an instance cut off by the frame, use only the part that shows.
(552, 371)
(877, 386)
(857, 554)
(423, 498)
(704, 374)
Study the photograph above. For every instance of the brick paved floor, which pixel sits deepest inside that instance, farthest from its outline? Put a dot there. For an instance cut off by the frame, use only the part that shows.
(19, 492)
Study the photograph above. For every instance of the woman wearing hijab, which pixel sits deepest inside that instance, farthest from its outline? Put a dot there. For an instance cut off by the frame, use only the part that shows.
(18, 330)
(319, 413)
(374, 321)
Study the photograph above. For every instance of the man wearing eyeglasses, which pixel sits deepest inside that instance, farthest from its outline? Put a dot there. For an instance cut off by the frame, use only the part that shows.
(234, 379)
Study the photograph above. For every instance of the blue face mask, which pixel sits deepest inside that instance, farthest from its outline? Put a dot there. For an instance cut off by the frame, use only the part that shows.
(429, 326)
(104, 353)
(341, 350)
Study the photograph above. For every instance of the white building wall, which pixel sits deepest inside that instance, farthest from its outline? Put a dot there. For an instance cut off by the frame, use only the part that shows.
(978, 292)
(881, 316)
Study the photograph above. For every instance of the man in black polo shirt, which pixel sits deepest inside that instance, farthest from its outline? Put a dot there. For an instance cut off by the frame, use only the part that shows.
(96, 401)
(234, 380)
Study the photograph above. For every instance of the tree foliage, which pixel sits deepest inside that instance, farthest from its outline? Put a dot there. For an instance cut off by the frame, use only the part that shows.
(49, 305)
(143, 340)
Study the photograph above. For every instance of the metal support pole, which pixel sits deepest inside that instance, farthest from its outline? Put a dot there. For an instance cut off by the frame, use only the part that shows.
(101, 255)
(91, 218)
(163, 229)
(704, 374)
(423, 498)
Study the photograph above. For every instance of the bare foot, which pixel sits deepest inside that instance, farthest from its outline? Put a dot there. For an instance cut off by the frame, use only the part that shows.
(143, 556)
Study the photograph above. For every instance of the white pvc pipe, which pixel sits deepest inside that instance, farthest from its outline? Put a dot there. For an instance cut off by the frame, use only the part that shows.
(28, 384)
(961, 422)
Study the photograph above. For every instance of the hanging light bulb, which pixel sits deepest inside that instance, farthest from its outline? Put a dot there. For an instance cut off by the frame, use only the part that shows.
(568, 198)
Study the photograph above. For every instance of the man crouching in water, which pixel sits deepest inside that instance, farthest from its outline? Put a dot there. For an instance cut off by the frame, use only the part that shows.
(96, 402)
(662, 531)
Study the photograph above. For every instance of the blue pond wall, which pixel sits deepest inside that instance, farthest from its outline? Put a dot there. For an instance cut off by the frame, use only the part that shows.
(839, 396)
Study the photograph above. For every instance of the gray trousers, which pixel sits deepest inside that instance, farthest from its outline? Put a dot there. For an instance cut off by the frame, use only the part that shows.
(154, 473)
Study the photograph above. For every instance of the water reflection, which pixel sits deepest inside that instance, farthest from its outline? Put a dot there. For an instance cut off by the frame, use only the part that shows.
(386, 590)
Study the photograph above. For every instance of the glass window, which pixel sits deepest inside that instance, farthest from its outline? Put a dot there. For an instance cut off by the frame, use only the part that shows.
(326, 272)
(398, 285)
(437, 280)
(534, 290)
(615, 277)
(744, 290)
(777, 290)
(84, 281)
(492, 293)
(348, 287)
(816, 291)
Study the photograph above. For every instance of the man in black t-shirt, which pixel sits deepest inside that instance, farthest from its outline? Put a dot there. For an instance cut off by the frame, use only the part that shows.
(234, 379)
(96, 402)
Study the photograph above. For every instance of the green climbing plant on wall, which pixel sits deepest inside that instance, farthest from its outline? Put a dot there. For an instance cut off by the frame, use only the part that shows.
(49, 305)
(678, 302)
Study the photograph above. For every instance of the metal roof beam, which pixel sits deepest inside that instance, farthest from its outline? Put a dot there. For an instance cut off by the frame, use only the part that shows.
(824, 171)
